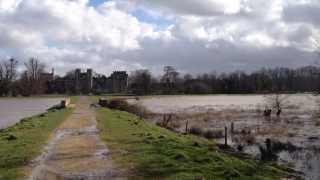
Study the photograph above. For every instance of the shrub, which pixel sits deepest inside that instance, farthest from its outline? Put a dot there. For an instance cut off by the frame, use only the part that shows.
(123, 105)
(278, 146)
(119, 104)
(250, 139)
(175, 124)
(213, 134)
(11, 137)
(195, 130)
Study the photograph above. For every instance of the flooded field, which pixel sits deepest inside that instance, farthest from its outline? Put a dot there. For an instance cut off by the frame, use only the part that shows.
(166, 104)
(295, 134)
(13, 110)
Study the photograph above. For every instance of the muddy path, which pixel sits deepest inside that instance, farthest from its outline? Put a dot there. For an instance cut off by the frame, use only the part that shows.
(75, 150)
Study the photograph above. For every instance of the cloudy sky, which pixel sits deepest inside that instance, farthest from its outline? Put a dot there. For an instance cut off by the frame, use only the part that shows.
(192, 35)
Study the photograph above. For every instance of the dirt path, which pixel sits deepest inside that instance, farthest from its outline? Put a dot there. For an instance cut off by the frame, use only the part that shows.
(75, 151)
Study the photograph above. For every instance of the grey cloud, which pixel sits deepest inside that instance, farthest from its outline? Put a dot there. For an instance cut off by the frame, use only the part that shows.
(193, 7)
(107, 42)
(302, 13)
(196, 58)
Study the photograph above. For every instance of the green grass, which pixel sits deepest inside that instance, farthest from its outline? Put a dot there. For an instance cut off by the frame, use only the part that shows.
(151, 151)
(32, 134)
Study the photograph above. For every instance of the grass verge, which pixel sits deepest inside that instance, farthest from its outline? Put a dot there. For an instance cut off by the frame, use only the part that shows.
(150, 151)
(24, 141)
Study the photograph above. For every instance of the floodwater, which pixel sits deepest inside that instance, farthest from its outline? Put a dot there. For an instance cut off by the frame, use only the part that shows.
(298, 125)
(167, 104)
(15, 109)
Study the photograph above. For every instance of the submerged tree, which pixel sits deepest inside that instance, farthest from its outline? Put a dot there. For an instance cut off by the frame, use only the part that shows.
(277, 102)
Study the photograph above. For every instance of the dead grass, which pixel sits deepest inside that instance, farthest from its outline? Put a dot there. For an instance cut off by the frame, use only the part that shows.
(84, 164)
(77, 121)
(276, 131)
(75, 146)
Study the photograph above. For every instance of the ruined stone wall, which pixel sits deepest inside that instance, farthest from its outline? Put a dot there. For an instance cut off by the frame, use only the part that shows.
(86, 82)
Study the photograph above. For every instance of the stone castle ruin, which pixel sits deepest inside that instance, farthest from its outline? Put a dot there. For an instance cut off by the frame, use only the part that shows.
(78, 82)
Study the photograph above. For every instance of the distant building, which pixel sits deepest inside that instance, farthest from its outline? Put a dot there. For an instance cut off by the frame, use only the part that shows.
(45, 79)
(83, 81)
(119, 81)
(79, 82)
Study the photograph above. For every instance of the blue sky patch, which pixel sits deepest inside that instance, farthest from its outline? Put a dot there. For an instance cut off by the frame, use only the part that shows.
(143, 16)
(96, 3)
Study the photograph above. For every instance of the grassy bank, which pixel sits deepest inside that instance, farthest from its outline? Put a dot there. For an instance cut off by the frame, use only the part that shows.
(150, 151)
(24, 141)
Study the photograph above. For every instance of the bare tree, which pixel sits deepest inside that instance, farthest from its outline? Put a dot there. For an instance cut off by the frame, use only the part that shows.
(141, 82)
(32, 76)
(170, 78)
(7, 76)
(277, 102)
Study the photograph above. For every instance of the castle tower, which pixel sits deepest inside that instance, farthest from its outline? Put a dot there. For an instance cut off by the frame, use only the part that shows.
(52, 73)
(119, 81)
(77, 80)
(89, 80)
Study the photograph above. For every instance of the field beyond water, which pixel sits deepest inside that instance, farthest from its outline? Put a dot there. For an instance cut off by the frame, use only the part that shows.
(150, 151)
(24, 141)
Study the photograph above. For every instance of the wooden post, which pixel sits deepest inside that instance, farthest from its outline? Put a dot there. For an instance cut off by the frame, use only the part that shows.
(141, 114)
(268, 145)
(164, 120)
(226, 136)
(187, 127)
(232, 127)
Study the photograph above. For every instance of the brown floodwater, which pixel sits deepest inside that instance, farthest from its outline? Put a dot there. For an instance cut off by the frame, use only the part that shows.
(298, 125)
(15, 109)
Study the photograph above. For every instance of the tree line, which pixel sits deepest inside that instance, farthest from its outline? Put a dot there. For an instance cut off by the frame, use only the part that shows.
(272, 80)
(29, 81)
(26, 83)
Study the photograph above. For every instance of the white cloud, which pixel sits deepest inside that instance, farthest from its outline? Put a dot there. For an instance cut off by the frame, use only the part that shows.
(202, 36)
(9, 5)
(71, 31)
(259, 39)
(193, 7)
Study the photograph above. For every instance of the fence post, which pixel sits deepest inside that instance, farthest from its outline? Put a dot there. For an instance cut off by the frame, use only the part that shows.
(232, 127)
(226, 136)
(187, 126)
